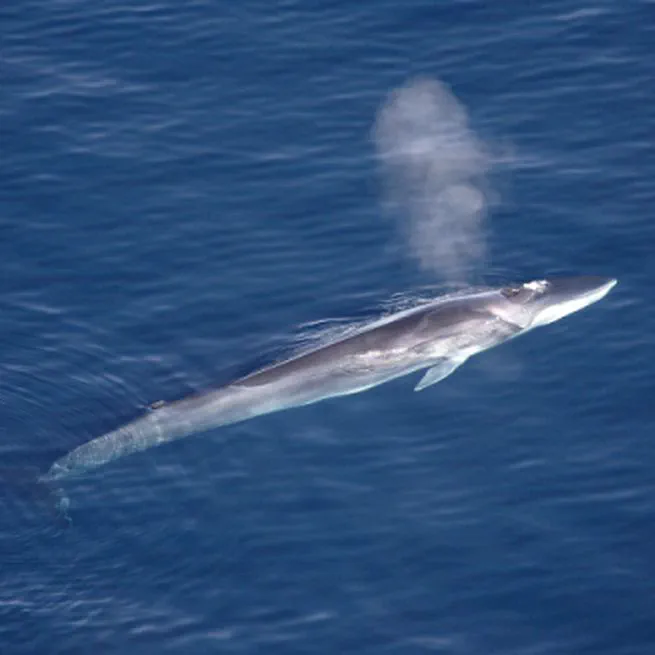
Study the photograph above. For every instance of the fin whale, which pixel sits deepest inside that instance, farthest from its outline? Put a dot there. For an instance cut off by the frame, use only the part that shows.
(436, 337)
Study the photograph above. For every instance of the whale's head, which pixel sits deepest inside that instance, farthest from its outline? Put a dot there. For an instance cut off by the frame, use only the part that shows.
(541, 302)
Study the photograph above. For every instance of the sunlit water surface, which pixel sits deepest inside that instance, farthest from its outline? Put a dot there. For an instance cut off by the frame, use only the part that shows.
(185, 187)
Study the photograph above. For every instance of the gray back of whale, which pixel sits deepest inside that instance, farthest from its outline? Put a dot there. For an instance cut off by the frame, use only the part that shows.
(411, 339)
(390, 348)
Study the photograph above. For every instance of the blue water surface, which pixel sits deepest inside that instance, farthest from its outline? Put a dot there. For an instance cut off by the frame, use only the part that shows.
(183, 185)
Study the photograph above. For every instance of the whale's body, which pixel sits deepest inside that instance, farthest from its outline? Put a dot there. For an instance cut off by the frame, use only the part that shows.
(438, 336)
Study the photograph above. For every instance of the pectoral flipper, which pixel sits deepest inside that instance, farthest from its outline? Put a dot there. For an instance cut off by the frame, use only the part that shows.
(438, 372)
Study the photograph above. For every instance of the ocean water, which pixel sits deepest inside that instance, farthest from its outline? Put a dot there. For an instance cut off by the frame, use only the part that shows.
(182, 187)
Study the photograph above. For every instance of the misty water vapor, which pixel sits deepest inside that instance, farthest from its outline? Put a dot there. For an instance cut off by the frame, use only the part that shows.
(434, 171)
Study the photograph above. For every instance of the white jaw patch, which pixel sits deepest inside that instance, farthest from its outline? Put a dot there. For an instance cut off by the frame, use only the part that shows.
(560, 310)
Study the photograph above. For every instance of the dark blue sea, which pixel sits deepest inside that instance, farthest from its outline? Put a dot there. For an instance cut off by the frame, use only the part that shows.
(184, 186)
